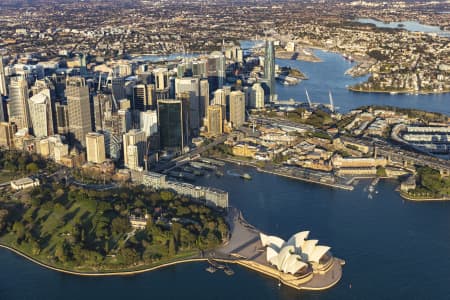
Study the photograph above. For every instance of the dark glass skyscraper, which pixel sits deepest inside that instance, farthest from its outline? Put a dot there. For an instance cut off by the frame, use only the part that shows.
(269, 68)
(172, 124)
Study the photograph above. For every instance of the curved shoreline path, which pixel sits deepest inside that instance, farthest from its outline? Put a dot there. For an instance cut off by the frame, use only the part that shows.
(243, 248)
(98, 274)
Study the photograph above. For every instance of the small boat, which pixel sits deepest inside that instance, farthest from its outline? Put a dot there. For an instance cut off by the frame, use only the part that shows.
(228, 271)
(211, 269)
(219, 173)
(370, 196)
(246, 176)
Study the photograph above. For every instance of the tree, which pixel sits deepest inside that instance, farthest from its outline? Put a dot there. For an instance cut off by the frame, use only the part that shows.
(32, 167)
(19, 230)
(120, 225)
(62, 251)
(3, 218)
(172, 246)
(166, 195)
(35, 247)
(128, 256)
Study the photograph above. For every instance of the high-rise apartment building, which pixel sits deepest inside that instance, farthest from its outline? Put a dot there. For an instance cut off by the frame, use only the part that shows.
(80, 122)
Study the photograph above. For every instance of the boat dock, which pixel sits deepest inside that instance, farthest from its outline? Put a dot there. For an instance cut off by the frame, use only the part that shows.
(215, 265)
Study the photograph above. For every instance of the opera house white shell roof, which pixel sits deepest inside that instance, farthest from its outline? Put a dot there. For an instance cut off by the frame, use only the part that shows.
(293, 255)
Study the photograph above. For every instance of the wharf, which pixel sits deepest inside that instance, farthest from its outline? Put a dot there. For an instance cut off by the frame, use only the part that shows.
(282, 173)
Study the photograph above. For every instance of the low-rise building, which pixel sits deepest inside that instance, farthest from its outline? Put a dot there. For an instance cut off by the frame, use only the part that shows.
(139, 222)
(245, 150)
(24, 183)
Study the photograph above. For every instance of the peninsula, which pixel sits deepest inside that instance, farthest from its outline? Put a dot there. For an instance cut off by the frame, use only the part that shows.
(124, 230)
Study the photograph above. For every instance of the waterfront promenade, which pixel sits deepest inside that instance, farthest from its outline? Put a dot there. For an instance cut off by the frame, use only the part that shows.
(284, 172)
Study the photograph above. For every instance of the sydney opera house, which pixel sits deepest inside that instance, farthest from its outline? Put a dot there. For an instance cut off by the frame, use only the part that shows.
(297, 256)
(299, 262)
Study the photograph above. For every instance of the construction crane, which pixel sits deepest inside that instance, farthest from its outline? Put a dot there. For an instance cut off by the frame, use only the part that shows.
(331, 101)
(307, 98)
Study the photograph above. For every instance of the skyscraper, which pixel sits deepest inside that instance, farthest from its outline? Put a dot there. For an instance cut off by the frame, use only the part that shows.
(204, 98)
(134, 147)
(237, 108)
(3, 90)
(118, 88)
(18, 102)
(215, 121)
(7, 131)
(46, 85)
(80, 122)
(41, 116)
(161, 76)
(257, 96)
(216, 70)
(173, 127)
(95, 147)
(102, 110)
(149, 122)
(144, 97)
(62, 118)
(269, 68)
(220, 97)
(189, 88)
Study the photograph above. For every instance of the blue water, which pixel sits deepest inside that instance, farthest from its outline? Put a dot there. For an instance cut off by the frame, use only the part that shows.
(408, 25)
(328, 75)
(393, 249)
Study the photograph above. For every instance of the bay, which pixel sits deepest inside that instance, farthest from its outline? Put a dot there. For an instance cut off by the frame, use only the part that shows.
(393, 249)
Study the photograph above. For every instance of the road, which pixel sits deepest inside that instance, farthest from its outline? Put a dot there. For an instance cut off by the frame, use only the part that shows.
(167, 166)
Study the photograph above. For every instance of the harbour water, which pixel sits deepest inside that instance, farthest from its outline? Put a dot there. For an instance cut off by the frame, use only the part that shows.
(408, 25)
(328, 75)
(393, 249)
